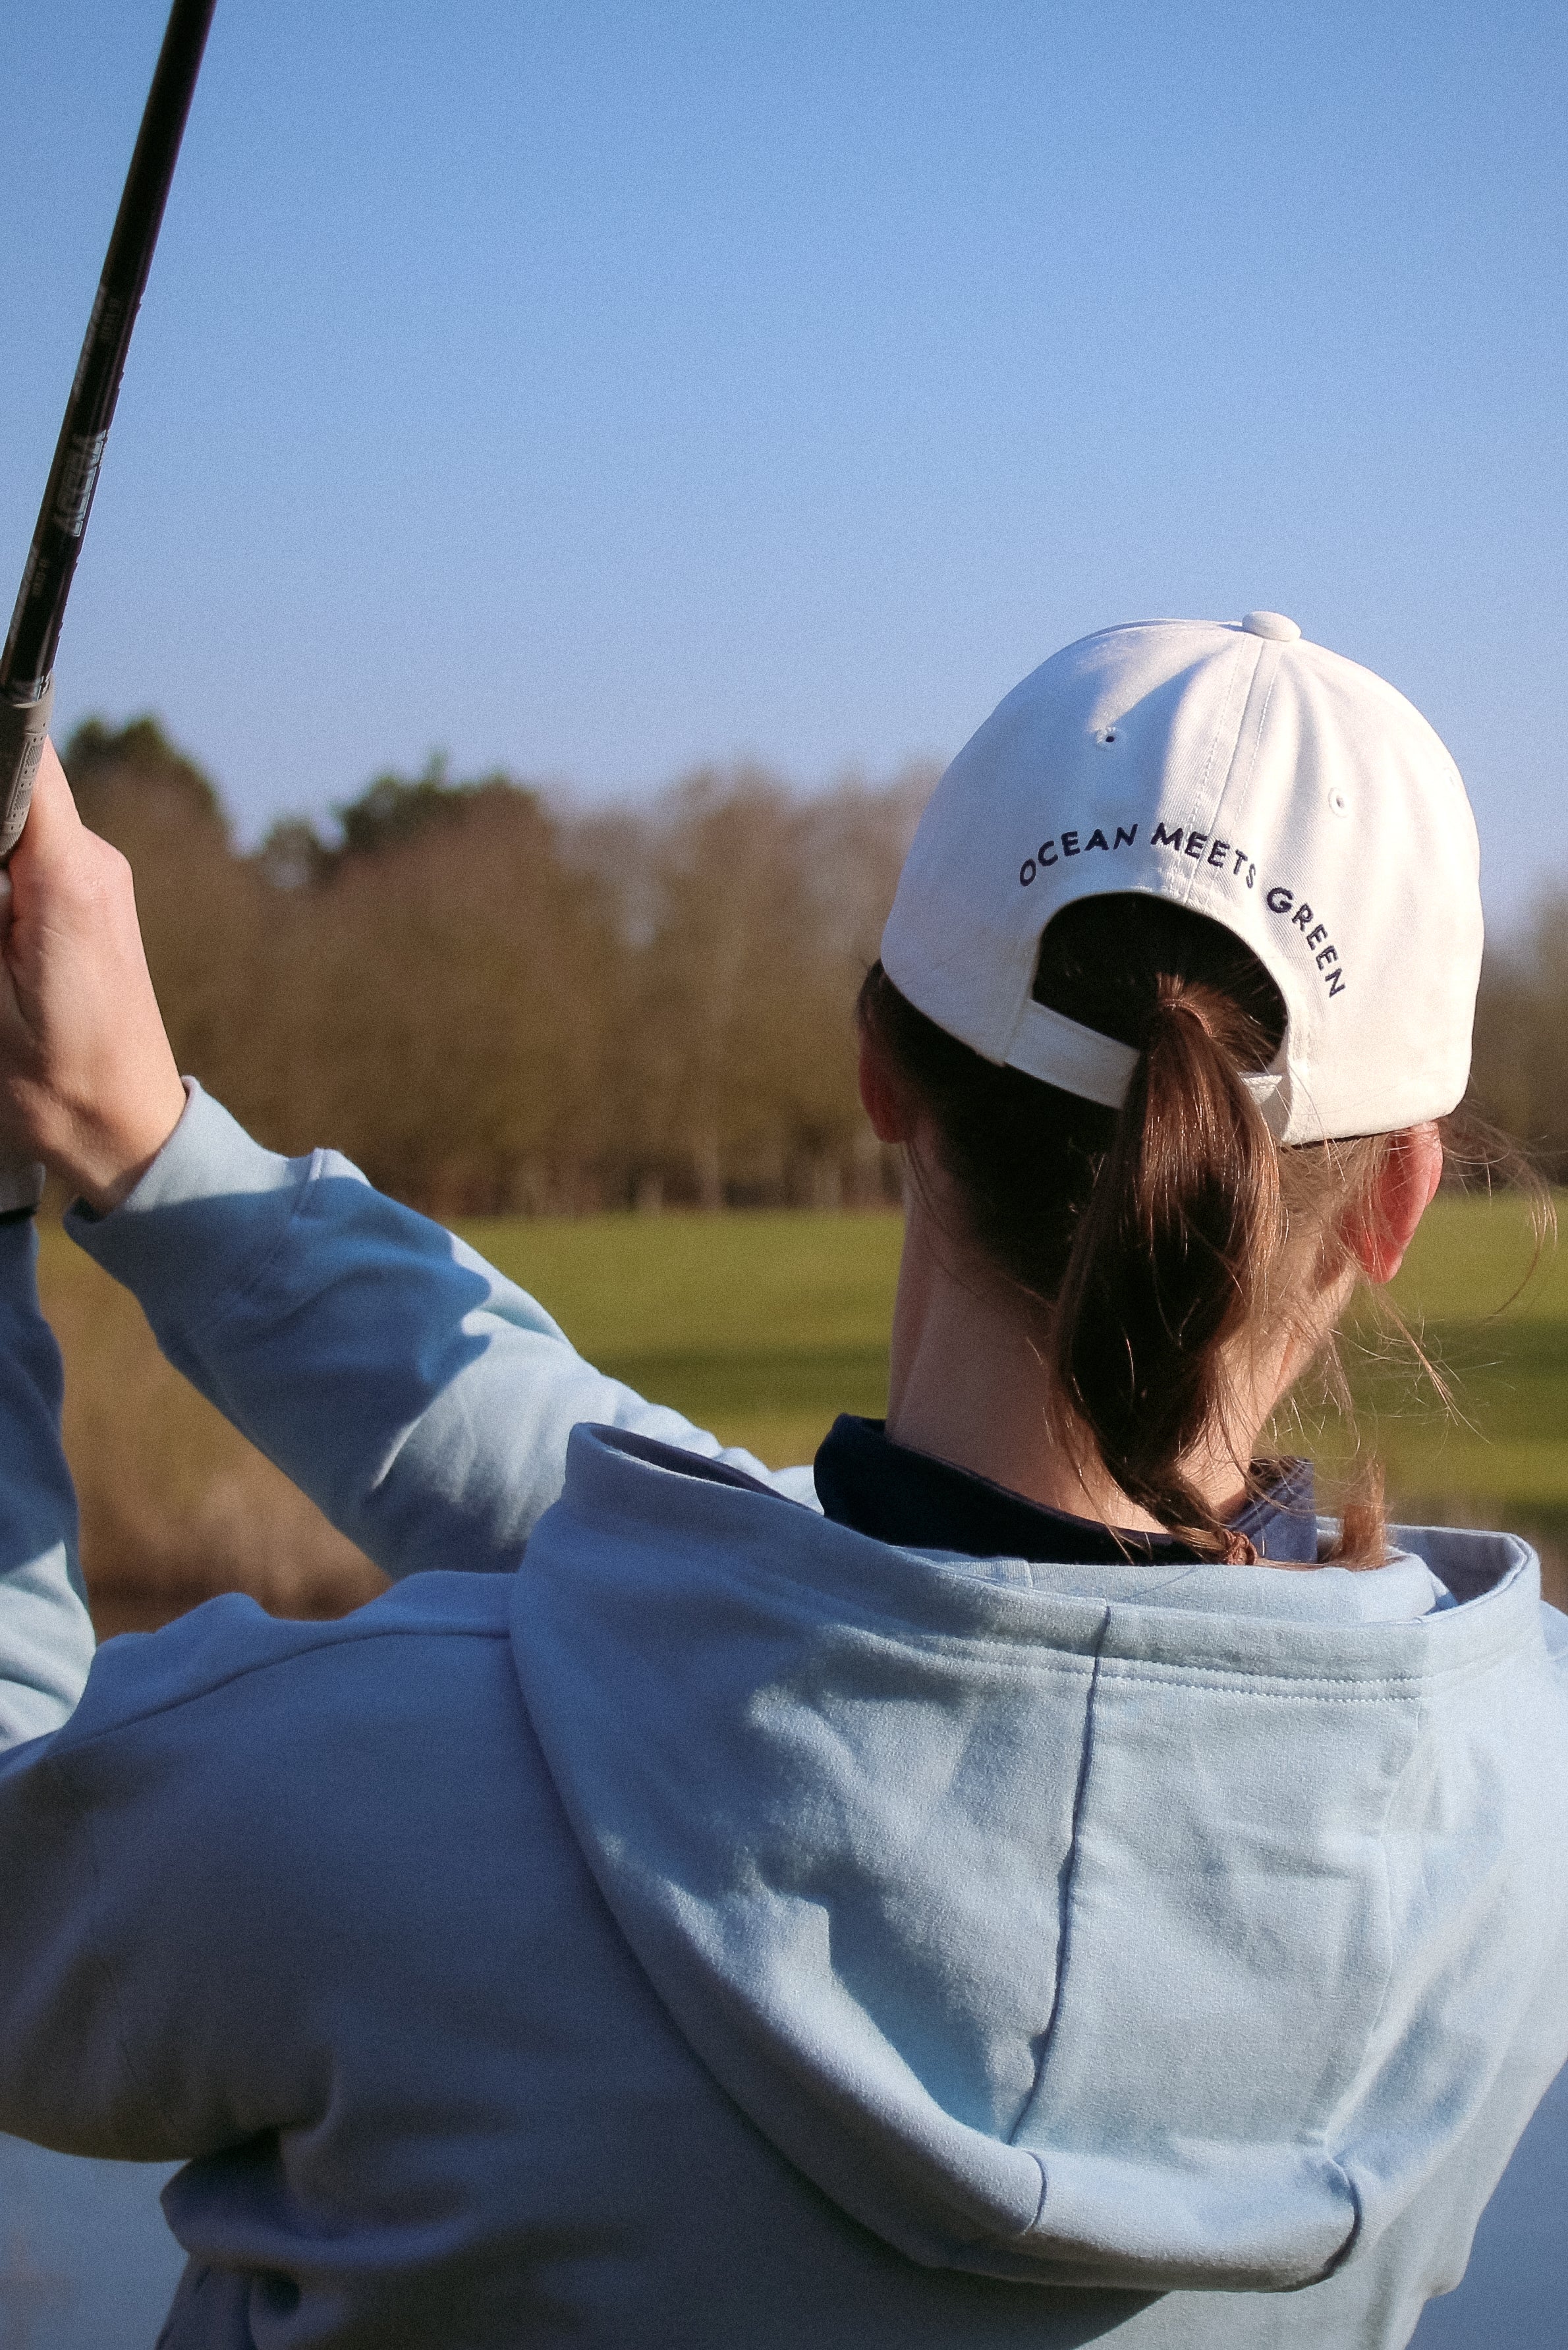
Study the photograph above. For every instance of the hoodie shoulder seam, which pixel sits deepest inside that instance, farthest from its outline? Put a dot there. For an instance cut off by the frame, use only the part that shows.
(247, 1670)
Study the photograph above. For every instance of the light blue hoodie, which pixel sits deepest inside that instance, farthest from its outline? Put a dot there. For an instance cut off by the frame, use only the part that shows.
(719, 1926)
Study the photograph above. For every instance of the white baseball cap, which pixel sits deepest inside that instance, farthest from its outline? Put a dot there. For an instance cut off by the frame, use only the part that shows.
(1237, 770)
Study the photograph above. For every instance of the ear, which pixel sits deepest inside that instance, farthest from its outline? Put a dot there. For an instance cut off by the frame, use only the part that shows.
(882, 1099)
(1411, 1170)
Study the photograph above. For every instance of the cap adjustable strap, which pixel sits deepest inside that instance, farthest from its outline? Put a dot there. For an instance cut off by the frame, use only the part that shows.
(1061, 1052)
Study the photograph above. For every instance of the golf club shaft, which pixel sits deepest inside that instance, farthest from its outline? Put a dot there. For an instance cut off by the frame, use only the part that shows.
(27, 662)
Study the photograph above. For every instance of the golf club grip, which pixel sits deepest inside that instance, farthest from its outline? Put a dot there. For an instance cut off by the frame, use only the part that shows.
(23, 727)
(27, 659)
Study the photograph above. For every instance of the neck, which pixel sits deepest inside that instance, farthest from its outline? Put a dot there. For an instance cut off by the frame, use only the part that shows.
(970, 1384)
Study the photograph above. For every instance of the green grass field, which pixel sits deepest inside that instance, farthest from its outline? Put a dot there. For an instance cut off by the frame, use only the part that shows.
(1498, 1331)
(761, 1327)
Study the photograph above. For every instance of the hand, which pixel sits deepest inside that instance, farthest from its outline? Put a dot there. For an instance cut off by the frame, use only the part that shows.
(87, 1081)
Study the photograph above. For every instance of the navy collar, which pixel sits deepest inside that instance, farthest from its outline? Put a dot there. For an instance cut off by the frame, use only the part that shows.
(866, 1482)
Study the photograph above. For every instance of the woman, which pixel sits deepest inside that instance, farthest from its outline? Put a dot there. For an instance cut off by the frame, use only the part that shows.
(1026, 1881)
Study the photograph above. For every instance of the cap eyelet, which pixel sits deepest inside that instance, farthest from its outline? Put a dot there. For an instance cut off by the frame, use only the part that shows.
(1338, 803)
(1105, 734)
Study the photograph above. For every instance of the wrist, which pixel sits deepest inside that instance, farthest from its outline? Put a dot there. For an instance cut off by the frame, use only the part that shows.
(104, 1164)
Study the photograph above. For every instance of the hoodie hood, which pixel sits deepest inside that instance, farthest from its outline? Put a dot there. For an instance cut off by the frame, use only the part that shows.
(1150, 1927)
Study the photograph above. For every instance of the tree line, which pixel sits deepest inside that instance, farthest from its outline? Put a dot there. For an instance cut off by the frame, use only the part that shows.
(496, 1003)
(1519, 1075)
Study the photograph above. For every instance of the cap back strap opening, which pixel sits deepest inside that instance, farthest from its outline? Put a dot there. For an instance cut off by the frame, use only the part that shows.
(1061, 1052)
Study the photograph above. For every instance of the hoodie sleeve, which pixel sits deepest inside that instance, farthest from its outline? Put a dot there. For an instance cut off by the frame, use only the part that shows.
(422, 1399)
(45, 1632)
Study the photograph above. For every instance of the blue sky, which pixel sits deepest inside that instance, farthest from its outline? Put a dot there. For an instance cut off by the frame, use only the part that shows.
(596, 389)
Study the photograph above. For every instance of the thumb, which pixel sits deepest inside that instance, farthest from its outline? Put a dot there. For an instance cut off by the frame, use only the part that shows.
(49, 837)
(53, 825)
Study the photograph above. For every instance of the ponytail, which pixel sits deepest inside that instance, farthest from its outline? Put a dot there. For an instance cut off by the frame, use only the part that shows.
(1171, 1258)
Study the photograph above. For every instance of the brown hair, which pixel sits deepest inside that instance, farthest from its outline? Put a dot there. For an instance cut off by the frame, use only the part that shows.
(1157, 1237)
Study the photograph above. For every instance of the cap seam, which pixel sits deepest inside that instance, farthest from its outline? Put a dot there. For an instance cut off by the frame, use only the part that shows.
(1293, 1066)
(1242, 783)
(1201, 796)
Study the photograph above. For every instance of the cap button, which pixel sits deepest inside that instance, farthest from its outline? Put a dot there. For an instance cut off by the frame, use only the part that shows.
(1271, 624)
